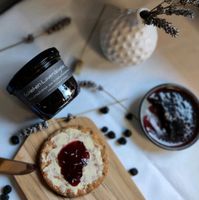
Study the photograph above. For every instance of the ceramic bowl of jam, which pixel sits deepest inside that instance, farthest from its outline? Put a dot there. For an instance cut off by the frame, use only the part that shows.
(169, 116)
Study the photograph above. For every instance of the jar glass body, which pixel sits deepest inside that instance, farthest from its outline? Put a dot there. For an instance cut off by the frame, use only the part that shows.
(45, 84)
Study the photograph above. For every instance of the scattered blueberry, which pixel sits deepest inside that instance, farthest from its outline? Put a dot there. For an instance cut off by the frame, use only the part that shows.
(129, 116)
(127, 133)
(104, 129)
(4, 197)
(104, 110)
(122, 141)
(110, 135)
(14, 139)
(7, 189)
(133, 171)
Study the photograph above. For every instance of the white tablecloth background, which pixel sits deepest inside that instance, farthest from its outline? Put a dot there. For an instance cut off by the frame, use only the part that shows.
(163, 175)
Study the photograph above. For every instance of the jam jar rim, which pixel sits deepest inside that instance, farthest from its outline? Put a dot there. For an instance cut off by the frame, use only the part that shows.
(41, 58)
(154, 141)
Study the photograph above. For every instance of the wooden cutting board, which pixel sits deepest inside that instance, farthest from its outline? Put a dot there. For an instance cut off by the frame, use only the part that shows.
(116, 186)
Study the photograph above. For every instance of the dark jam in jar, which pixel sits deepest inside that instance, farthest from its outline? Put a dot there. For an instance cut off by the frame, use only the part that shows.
(171, 116)
(72, 158)
(45, 84)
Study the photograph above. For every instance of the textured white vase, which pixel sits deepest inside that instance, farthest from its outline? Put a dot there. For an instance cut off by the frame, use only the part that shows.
(126, 40)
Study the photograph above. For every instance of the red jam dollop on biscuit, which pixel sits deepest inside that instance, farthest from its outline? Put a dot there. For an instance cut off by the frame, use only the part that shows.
(72, 158)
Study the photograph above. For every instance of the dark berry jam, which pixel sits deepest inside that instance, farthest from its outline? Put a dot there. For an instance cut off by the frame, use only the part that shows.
(45, 84)
(171, 116)
(72, 158)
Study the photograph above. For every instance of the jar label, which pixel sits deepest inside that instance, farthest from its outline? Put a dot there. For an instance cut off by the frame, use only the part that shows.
(46, 83)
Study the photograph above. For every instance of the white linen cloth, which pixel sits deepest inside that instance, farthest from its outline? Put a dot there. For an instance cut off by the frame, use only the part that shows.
(163, 175)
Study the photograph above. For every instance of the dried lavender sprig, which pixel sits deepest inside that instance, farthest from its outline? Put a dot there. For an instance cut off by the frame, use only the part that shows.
(107, 105)
(169, 4)
(169, 1)
(92, 85)
(57, 25)
(175, 4)
(180, 12)
(159, 10)
(163, 24)
(33, 129)
(170, 10)
(190, 2)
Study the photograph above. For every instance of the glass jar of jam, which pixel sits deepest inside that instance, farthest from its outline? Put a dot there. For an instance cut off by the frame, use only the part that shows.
(45, 84)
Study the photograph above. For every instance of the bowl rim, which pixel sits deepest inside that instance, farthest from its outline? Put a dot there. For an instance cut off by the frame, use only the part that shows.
(163, 146)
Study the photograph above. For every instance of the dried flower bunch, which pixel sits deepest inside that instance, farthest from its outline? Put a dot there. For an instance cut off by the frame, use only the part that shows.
(169, 7)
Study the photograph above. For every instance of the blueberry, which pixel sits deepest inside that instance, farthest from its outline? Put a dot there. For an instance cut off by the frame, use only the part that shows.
(4, 197)
(129, 116)
(14, 139)
(133, 171)
(104, 110)
(7, 189)
(110, 135)
(122, 141)
(104, 129)
(127, 133)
